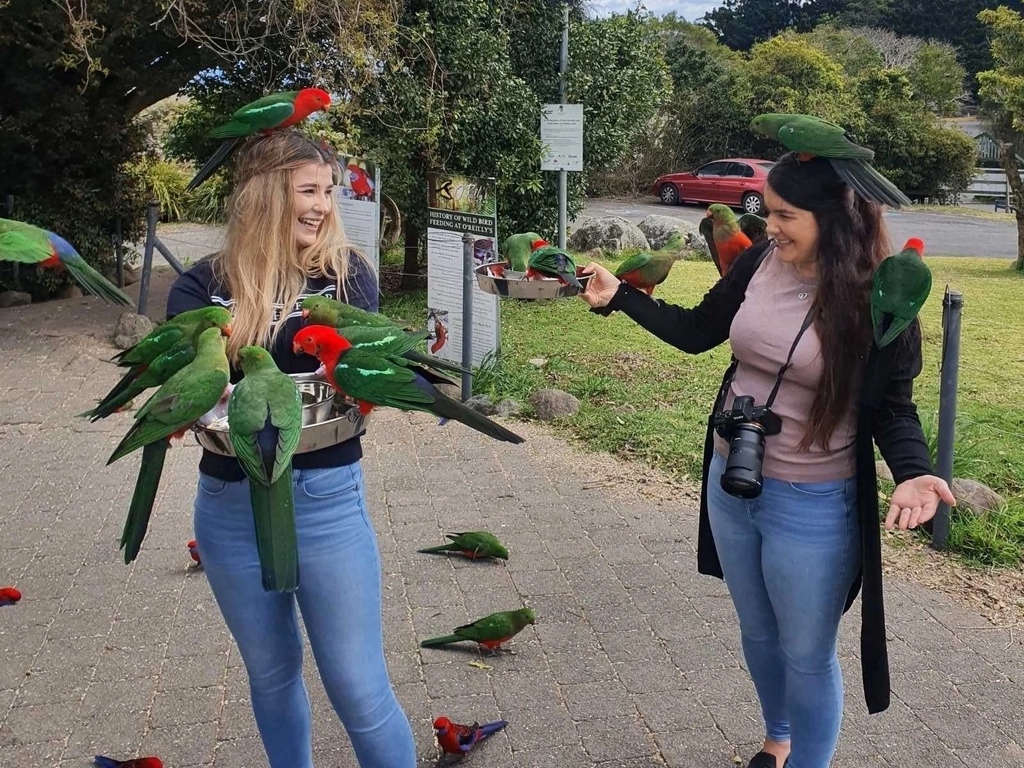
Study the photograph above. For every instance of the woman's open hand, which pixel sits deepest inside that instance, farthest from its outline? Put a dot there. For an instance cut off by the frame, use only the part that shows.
(601, 287)
(915, 501)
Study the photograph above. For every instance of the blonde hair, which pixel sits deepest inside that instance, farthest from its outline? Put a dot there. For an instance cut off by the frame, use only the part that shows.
(261, 264)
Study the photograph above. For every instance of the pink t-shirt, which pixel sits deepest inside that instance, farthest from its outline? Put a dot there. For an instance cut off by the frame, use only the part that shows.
(761, 335)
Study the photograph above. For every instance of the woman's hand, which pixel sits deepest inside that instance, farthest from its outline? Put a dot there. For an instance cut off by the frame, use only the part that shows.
(601, 287)
(915, 501)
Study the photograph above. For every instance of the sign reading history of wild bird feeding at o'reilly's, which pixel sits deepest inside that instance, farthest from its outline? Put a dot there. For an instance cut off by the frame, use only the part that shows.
(561, 133)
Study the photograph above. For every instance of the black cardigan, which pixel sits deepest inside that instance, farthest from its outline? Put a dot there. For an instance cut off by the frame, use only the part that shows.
(886, 414)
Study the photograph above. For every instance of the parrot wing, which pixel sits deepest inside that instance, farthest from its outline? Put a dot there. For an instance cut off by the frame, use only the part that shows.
(493, 627)
(259, 115)
(636, 261)
(707, 231)
(23, 243)
(804, 133)
(155, 343)
(285, 414)
(381, 380)
(247, 415)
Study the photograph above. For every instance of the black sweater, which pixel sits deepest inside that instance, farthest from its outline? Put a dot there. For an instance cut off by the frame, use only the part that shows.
(198, 287)
(886, 414)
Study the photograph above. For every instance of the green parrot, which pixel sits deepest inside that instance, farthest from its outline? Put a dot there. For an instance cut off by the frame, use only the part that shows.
(160, 354)
(550, 261)
(811, 136)
(900, 286)
(338, 314)
(472, 544)
(754, 227)
(23, 243)
(168, 413)
(264, 426)
(490, 631)
(516, 249)
(645, 271)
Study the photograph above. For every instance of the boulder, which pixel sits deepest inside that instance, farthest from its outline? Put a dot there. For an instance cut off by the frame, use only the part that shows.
(130, 329)
(975, 496)
(481, 404)
(610, 233)
(14, 299)
(70, 292)
(659, 229)
(507, 407)
(551, 404)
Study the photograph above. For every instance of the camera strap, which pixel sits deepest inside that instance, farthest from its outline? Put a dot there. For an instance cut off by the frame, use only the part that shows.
(808, 318)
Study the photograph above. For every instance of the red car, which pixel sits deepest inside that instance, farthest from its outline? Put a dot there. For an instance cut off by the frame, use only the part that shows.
(736, 181)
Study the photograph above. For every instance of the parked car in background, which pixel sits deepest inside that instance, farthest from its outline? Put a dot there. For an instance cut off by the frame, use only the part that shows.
(736, 181)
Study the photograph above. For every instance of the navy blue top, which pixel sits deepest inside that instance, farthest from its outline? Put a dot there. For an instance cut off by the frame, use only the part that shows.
(198, 288)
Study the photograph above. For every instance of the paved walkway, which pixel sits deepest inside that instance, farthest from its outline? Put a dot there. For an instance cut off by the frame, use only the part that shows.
(634, 660)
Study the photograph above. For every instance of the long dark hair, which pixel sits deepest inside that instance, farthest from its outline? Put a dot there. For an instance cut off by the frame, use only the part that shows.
(852, 241)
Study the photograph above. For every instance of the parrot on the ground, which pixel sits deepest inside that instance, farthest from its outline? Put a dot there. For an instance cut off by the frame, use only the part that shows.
(458, 739)
(23, 243)
(264, 426)
(378, 378)
(472, 544)
(140, 762)
(516, 251)
(9, 596)
(168, 413)
(193, 552)
(645, 271)
(550, 261)
(725, 239)
(338, 314)
(899, 288)
(490, 631)
(159, 355)
(811, 137)
(271, 113)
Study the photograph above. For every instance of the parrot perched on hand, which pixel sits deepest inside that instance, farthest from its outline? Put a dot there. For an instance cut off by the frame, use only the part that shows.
(338, 314)
(490, 631)
(458, 739)
(472, 544)
(645, 271)
(23, 243)
(899, 288)
(9, 596)
(271, 113)
(379, 378)
(725, 238)
(159, 355)
(811, 137)
(264, 426)
(140, 762)
(516, 251)
(549, 261)
(168, 413)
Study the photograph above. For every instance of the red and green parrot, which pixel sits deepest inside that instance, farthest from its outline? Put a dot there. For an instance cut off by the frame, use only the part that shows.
(458, 739)
(169, 413)
(726, 236)
(811, 137)
(271, 113)
(159, 355)
(264, 426)
(644, 271)
(516, 251)
(491, 631)
(550, 261)
(9, 595)
(140, 762)
(379, 377)
(472, 544)
(23, 243)
(899, 288)
(193, 552)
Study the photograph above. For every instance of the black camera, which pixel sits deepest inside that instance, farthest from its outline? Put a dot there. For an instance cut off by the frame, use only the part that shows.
(745, 427)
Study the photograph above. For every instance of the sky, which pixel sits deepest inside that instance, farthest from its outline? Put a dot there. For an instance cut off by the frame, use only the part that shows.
(690, 10)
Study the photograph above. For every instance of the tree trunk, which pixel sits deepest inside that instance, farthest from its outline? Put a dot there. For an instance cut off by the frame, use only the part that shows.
(1008, 160)
(411, 268)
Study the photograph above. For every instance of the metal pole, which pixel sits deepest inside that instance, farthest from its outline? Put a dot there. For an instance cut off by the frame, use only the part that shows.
(170, 258)
(119, 252)
(467, 314)
(563, 67)
(152, 214)
(952, 305)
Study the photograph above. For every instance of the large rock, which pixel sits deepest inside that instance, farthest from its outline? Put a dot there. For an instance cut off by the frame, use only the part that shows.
(481, 404)
(975, 496)
(70, 292)
(658, 229)
(131, 329)
(882, 471)
(507, 407)
(14, 299)
(551, 404)
(610, 233)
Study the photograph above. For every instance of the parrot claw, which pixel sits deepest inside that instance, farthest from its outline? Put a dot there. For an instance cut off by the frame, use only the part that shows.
(321, 371)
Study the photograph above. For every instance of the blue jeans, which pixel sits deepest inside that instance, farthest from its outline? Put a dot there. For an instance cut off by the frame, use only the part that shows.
(339, 595)
(789, 559)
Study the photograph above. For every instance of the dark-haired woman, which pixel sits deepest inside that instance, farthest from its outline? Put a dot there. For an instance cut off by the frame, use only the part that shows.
(794, 556)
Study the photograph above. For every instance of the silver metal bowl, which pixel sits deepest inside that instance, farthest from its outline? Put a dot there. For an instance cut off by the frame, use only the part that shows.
(317, 401)
(514, 285)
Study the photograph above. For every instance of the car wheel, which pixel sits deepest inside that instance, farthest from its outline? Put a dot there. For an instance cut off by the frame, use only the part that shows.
(753, 203)
(669, 194)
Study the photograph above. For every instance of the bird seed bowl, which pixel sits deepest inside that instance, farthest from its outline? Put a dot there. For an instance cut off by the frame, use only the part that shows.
(514, 285)
(326, 419)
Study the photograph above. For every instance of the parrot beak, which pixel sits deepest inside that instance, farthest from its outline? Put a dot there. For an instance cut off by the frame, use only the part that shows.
(296, 348)
(305, 314)
(226, 330)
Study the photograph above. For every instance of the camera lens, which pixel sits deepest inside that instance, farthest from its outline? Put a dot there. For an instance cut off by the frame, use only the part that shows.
(742, 476)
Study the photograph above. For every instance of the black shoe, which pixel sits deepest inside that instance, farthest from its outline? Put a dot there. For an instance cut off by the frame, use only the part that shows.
(764, 760)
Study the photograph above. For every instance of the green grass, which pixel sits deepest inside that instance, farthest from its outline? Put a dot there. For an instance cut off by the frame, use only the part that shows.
(957, 210)
(644, 400)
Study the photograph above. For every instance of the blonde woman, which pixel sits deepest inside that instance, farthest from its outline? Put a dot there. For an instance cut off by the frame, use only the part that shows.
(285, 242)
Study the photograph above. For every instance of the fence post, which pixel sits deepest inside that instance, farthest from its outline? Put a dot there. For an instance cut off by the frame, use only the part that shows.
(952, 305)
(468, 280)
(152, 214)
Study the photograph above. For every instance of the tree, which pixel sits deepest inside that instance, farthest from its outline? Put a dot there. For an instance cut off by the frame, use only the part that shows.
(938, 78)
(852, 51)
(741, 23)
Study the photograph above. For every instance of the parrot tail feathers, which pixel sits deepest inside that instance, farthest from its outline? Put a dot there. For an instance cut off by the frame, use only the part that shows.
(443, 640)
(434, 362)
(869, 183)
(273, 509)
(106, 762)
(96, 284)
(141, 508)
(448, 408)
(571, 280)
(439, 549)
(115, 399)
(216, 160)
(489, 728)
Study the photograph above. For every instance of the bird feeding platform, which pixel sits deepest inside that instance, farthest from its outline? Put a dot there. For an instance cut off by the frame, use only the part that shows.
(514, 285)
